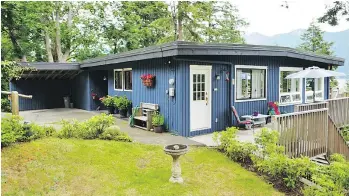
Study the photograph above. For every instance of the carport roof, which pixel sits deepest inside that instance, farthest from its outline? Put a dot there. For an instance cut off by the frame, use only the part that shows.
(181, 48)
(52, 66)
(46, 70)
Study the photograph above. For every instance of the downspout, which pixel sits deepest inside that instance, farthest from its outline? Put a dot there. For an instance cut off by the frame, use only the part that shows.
(230, 82)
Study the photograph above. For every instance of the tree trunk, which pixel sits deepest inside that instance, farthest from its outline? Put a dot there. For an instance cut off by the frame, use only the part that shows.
(58, 35)
(48, 47)
(69, 25)
(24, 58)
(17, 48)
(180, 20)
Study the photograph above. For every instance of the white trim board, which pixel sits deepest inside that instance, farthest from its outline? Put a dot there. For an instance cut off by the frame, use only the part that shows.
(251, 67)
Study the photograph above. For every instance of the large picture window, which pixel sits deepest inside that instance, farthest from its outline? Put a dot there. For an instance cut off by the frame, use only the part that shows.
(123, 79)
(290, 89)
(319, 89)
(250, 82)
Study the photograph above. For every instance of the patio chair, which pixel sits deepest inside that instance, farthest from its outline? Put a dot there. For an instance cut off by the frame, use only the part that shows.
(248, 124)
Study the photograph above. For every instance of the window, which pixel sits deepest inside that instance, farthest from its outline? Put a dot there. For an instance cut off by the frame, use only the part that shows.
(118, 79)
(250, 82)
(128, 79)
(198, 87)
(290, 89)
(319, 89)
(123, 79)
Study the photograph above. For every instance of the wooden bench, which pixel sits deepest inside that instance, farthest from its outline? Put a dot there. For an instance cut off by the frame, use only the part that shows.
(143, 115)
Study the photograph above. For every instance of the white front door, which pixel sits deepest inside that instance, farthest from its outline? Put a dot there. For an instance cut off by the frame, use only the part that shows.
(200, 97)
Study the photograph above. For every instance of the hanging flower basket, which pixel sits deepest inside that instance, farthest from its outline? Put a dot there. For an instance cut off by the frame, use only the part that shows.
(148, 80)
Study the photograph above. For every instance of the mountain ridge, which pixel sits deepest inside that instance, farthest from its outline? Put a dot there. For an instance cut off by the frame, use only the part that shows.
(292, 39)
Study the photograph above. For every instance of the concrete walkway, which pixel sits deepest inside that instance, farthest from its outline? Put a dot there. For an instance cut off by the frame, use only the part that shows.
(54, 116)
(242, 135)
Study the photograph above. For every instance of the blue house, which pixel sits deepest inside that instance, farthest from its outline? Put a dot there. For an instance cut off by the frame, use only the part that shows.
(207, 79)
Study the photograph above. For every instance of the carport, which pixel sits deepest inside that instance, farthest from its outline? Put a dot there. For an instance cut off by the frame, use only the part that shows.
(48, 84)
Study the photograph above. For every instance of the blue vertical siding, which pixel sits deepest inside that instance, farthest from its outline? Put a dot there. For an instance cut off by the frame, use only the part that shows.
(46, 93)
(81, 95)
(99, 86)
(112, 91)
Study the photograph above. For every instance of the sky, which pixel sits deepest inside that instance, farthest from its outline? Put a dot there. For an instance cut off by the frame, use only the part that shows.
(269, 18)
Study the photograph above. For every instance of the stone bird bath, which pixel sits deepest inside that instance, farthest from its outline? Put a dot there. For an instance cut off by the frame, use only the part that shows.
(176, 150)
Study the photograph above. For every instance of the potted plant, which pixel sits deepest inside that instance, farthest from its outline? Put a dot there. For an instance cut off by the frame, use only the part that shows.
(158, 122)
(115, 103)
(148, 80)
(108, 102)
(123, 103)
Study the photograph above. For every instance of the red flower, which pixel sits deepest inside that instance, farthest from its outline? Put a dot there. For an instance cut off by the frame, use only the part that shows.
(147, 76)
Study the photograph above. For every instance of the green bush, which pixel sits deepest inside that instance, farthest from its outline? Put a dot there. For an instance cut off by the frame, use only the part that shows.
(89, 129)
(11, 129)
(32, 131)
(238, 151)
(345, 133)
(71, 129)
(108, 101)
(123, 103)
(5, 105)
(114, 133)
(333, 179)
(97, 124)
(158, 119)
(115, 101)
(50, 131)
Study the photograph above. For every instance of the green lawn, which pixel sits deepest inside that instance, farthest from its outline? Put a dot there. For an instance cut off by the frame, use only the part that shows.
(94, 167)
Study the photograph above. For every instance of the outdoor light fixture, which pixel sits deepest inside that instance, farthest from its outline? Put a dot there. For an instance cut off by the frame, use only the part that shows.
(104, 78)
(218, 77)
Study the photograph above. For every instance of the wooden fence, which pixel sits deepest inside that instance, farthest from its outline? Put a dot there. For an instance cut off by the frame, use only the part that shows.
(338, 109)
(336, 143)
(303, 133)
(310, 106)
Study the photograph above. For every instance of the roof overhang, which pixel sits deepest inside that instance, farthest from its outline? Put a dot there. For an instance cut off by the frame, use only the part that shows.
(180, 48)
(47, 71)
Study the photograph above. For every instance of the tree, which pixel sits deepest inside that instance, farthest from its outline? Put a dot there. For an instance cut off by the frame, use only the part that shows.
(207, 21)
(313, 41)
(50, 31)
(332, 15)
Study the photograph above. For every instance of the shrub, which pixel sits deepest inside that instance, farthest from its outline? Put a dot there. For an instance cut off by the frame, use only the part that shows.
(114, 133)
(11, 129)
(158, 119)
(345, 133)
(5, 105)
(238, 151)
(50, 131)
(267, 141)
(32, 131)
(97, 124)
(123, 103)
(108, 101)
(333, 179)
(70, 129)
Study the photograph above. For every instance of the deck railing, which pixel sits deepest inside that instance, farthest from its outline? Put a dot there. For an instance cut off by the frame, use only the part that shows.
(336, 143)
(310, 106)
(303, 133)
(338, 109)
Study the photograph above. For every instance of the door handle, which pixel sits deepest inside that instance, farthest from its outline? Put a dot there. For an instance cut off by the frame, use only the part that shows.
(206, 98)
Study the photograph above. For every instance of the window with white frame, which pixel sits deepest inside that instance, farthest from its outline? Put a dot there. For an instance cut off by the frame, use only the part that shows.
(250, 82)
(319, 89)
(123, 79)
(290, 90)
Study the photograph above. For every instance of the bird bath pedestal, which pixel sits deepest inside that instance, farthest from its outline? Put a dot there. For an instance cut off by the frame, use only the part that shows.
(176, 150)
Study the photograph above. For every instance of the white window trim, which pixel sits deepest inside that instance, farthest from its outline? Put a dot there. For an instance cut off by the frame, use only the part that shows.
(251, 67)
(122, 79)
(311, 92)
(301, 86)
(123, 76)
